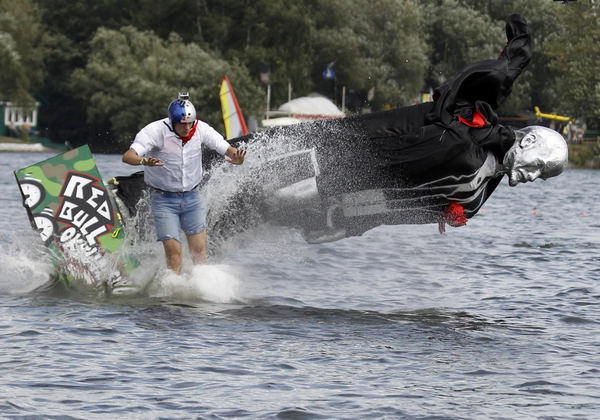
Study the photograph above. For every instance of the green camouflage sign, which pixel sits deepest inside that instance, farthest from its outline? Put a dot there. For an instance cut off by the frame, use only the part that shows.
(69, 205)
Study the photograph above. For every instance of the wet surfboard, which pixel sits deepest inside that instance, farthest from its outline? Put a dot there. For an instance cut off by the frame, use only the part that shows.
(69, 205)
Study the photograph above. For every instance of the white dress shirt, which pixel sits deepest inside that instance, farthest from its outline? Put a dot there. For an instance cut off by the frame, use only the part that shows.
(182, 169)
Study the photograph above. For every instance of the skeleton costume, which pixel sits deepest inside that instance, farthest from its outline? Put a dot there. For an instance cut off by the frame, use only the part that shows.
(407, 165)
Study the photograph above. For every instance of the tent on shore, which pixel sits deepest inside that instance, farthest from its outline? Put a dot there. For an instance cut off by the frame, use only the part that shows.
(312, 107)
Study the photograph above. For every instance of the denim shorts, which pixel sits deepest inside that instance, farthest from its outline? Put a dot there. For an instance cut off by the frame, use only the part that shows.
(175, 211)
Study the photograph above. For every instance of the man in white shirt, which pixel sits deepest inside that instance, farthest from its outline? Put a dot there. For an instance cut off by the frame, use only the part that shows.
(171, 149)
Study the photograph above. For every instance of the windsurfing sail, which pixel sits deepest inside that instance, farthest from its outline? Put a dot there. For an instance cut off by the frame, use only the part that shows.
(68, 204)
(235, 126)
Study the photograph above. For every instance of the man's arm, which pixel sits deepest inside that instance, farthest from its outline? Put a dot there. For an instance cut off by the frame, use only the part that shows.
(517, 51)
(131, 157)
(488, 80)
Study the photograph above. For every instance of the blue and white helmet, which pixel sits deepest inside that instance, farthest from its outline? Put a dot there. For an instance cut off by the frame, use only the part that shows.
(181, 110)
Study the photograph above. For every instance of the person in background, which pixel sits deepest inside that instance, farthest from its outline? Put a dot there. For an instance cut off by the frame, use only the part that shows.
(171, 151)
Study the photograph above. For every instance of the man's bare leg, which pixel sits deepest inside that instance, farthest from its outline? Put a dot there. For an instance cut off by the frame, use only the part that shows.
(197, 244)
(173, 254)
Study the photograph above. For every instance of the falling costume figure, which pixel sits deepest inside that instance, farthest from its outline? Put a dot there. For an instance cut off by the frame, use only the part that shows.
(430, 162)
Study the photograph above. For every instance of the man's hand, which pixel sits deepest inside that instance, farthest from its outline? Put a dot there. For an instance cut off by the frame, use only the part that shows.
(151, 161)
(235, 156)
(131, 157)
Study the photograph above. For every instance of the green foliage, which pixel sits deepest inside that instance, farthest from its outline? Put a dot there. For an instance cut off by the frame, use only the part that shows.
(575, 53)
(273, 34)
(377, 46)
(78, 20)
(132, 76)
(104, 68)
(22, 51)
(460, 35)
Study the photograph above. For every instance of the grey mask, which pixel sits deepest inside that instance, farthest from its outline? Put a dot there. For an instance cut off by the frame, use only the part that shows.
(538, 152)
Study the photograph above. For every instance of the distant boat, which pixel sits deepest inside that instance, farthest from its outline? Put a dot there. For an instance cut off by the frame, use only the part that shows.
(235, 126)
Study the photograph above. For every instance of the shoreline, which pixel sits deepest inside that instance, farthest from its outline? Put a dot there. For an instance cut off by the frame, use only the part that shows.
(584, 155)
(26, 147)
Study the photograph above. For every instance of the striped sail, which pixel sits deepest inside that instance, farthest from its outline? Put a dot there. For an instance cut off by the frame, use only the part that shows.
(235, 125)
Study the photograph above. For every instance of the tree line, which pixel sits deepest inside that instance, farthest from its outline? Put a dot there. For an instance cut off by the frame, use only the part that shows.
(102, 69)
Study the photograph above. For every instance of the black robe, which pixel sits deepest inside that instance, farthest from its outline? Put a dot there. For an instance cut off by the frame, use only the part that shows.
(407, 165)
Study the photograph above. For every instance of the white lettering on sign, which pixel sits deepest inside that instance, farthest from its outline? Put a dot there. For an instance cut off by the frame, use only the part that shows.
(75, 185)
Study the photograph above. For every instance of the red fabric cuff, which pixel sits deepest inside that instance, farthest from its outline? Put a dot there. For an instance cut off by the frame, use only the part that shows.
(454, 215)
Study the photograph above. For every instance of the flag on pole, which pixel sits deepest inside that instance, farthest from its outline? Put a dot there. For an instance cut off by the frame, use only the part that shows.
(329, 73)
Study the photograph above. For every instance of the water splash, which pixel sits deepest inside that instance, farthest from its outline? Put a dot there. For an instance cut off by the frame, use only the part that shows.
(236, 195)
(23, 268)
(214, 283)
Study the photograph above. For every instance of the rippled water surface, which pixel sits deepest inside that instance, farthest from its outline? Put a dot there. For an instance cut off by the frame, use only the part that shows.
(498, 319)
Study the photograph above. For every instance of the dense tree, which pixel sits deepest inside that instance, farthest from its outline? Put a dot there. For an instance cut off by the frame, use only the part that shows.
(264, 34)
(72, 25)
(459, 36)
(575, 53)
(167, 16)
(23, 45)
(78, 20)
(131, 76)
(379, 46)
(400, 47)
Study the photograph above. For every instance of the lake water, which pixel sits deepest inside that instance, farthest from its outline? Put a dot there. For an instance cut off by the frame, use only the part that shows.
(498, 319)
